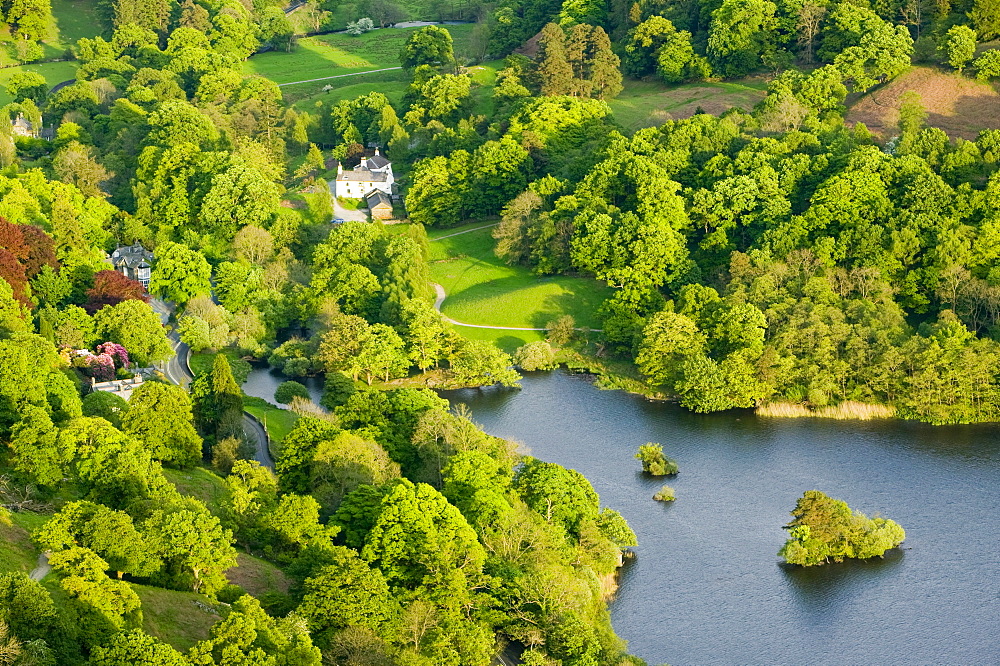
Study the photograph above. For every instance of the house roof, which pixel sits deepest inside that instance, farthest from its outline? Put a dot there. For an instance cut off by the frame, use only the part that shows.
(362, 175)
(133, 256)
(378, 198)
(377, 162)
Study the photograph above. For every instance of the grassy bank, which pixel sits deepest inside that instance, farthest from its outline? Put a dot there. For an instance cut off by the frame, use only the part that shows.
(54, 72)
(651, 103)
(849, 410)
(484, 290)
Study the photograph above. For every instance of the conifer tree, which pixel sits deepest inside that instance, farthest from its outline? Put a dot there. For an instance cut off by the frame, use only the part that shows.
(603, 66)
(555, 74)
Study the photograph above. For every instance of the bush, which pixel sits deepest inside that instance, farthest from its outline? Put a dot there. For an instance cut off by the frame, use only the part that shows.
(535, 356)
(664, 494)
(230, 593)
(654, 462)
(288, 390)
(108, 406)
(337, 389)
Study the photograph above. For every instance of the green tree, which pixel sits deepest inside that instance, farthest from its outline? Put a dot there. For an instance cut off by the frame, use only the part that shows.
(239, 196)
(109, 406)
(347, 592)
(286, 391)
(428, 46)
(561, 496)
(741, 32)
(27, 85)
(824, 529)
(159, 415)
(481, 363)
(218, 401)
(110, 534)
(552, 68)
(135, 326)
(180, 273)
(654, 462)
(137, 648)
(959, 46)
(250, 631)
(985, 16)
(383, 355)
(988, 65)
(534, 356)
(195, 549)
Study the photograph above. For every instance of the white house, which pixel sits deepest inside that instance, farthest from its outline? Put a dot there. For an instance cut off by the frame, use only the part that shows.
(373, 173)
(134, 262)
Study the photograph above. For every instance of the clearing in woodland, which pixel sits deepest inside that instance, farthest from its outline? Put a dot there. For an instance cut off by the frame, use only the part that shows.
(960, 106)
(482, 289)
(652, 103)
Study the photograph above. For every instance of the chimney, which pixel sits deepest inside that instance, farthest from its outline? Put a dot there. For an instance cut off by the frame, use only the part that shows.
(376, 151)
(340, 168)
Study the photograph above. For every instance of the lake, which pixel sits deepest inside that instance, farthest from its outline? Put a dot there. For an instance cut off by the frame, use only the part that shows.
(706, 585)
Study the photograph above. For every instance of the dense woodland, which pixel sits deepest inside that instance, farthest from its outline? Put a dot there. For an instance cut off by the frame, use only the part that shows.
(771, 254)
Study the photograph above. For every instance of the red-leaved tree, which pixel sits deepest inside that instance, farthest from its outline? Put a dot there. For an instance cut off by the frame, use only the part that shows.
(111, 288)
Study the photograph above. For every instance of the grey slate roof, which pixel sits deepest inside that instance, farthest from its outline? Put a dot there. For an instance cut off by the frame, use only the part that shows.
(377, 162)
(378, 198)
(362, 175)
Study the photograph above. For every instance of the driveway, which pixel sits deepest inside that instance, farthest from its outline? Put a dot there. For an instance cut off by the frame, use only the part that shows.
(345, 213)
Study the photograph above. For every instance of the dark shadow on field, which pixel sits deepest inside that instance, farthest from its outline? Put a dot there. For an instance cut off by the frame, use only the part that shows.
(510, 343)
(582, 302)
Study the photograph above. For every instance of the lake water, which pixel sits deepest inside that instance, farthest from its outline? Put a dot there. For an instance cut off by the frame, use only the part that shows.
(263, 381)
(706, 586)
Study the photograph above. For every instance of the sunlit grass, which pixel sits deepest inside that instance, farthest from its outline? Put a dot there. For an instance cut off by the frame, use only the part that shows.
(54, 72)
(484, 290)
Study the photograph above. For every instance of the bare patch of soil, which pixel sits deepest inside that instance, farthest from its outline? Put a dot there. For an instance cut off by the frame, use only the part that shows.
(960, 106)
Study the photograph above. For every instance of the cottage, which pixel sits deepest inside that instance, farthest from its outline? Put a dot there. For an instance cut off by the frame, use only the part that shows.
(121, 387)
(21, 126)
(373, 173)
(379, 205)
(134, 262)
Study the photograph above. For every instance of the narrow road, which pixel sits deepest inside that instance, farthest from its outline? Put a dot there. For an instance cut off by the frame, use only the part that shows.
(178, 371)
(43, 568)
(337, 76)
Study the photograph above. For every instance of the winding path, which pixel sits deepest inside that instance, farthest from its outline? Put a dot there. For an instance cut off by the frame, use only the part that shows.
(178, 371)
(441, 295)
(337, 76)
(43, 568)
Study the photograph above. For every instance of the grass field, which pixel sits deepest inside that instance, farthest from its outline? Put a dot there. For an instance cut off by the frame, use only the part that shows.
(257, 576)
(71, 20)
(17, 552)
(199, 483)
(651, 103)
(277, 421)
(484, 290)
(54, 72)
(178, 618)
(335, 54)
(960, 106)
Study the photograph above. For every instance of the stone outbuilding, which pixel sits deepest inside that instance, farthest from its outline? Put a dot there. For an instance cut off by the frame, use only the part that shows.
(379, 205)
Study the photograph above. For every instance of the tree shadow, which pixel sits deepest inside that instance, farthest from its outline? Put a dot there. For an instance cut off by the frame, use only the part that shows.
(824, 588)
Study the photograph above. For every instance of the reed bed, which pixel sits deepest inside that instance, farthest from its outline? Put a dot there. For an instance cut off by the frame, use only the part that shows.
(848, 410)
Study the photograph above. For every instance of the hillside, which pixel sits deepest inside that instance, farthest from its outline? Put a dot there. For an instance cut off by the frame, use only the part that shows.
(960, 106)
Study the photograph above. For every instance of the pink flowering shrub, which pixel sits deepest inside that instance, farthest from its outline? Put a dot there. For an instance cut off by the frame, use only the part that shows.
(101, 367)
(118, 353)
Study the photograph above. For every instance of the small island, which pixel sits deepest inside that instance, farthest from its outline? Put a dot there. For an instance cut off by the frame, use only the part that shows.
(655, 462)
(665, 494)
(825, 529)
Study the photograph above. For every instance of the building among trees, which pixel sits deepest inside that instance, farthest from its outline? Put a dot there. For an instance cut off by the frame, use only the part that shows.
(379, 205)
(372, 173)
(134, 262)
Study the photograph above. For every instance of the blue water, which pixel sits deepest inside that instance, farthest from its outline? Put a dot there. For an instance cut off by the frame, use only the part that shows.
(706, 586)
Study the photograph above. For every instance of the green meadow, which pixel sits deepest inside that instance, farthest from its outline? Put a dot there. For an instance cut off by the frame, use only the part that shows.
(482, 289)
